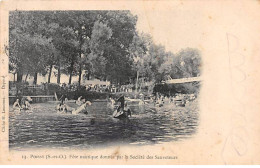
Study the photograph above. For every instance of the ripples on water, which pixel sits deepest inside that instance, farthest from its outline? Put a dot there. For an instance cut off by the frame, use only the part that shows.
(43, 127)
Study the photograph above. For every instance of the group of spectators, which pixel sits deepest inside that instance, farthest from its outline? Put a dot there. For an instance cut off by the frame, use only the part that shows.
(178, 98)
(110, 88)
(50, 88)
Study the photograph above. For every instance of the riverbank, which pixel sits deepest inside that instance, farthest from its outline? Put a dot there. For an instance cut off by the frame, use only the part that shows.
(88, 95)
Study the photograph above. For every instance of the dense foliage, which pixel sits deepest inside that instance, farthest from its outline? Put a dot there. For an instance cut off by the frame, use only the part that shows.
(93, 44)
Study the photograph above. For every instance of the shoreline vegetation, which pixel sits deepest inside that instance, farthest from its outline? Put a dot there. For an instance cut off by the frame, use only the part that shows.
(90, 95)
(90, 45)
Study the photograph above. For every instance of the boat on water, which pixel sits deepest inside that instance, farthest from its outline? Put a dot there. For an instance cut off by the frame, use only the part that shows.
(120, 114)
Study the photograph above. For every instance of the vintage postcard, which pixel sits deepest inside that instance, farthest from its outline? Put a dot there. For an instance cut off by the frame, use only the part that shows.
(130, 82)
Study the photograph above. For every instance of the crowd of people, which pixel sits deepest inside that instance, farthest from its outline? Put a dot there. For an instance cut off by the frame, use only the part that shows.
(110, 88)
(121, 109)
(24, 103)
(119, 106)
(177, 99)
(99, 88)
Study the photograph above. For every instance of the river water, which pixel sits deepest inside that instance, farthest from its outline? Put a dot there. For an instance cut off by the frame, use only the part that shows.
(43, 127)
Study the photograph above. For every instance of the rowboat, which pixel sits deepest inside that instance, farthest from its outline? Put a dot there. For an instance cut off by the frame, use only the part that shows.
(120, 114)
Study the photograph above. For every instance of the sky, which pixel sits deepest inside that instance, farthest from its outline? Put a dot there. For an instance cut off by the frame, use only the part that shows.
(174, 27)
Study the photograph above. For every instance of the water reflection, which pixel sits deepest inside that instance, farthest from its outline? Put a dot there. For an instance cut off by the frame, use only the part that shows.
(43, 127)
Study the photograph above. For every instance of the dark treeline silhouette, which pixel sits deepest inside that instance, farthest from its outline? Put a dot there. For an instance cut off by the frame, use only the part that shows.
(92, 44)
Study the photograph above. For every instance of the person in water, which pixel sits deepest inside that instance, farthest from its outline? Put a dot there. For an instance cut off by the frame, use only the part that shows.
(127, 110)
(16, 105)
(62, 107)
(122, 103)
(25, 102)
(111, 102)
(78, 102)
(82, 109)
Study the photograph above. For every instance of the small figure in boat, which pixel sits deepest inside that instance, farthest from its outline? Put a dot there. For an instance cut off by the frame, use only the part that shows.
(82, 109)
(121, 114)
(16, 105)
(122, 103)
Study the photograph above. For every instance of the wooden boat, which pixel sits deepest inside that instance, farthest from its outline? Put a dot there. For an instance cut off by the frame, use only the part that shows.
(120, 114)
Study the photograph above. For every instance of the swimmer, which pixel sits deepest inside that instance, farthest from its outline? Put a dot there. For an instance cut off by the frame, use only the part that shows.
(62, 107)
(111, 103)
(16, 105)
(127, 111)
(29, 98)
(82, 108)
(25, 102)
(79, 102)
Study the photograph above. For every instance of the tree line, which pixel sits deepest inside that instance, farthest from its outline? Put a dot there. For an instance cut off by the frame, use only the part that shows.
(103, 44)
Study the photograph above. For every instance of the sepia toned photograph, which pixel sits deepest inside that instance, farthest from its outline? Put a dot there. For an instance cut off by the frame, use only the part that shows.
(86, 79)
(129, 82)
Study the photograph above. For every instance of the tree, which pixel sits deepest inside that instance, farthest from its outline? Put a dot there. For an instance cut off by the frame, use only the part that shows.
(164, 71)
(118, 68)
(96, 44)
(187, 63)
(156, 58)
(104, 44)
(138, 51)
(28, 48)
(80, 23)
